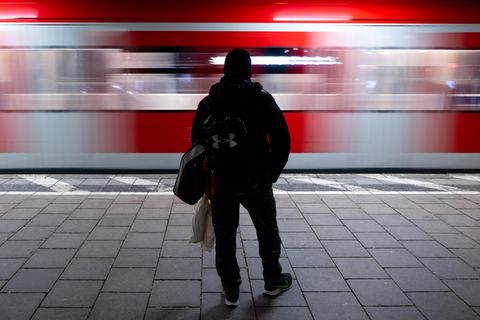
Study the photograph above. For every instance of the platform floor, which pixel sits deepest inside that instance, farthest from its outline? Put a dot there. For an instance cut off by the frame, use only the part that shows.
(360, 246)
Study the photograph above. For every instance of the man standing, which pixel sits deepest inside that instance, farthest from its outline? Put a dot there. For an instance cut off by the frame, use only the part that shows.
(244, 180)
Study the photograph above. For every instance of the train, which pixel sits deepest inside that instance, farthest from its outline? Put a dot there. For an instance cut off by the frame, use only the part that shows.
(362, 85)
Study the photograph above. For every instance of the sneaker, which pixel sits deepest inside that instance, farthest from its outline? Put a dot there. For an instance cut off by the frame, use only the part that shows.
(231, 297)
(283, 284)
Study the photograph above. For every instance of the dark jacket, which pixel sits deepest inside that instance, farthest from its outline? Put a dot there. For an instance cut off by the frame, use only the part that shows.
(268, 135)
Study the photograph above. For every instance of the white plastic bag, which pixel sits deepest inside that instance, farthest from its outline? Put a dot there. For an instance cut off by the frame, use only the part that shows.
(202, 225)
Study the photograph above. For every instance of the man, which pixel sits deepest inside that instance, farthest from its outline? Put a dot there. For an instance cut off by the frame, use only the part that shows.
(268, 143)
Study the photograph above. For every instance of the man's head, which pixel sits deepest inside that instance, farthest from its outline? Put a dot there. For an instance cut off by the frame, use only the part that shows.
(238, 64)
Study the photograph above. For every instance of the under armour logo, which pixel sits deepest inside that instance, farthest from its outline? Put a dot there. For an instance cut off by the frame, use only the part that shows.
(225, 142)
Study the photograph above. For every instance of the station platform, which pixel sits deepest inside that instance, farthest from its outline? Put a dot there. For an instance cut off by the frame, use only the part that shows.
(359, 246)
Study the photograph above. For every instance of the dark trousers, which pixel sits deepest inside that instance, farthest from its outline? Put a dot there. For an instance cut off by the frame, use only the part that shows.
(260, 204)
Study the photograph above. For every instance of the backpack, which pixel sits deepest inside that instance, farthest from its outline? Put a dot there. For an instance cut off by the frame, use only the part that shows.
(228, 156)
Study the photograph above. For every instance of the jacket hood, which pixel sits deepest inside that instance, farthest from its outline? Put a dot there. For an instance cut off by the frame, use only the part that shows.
(234, 88)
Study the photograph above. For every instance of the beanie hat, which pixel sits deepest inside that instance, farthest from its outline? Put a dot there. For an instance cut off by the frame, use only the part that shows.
(238, 64)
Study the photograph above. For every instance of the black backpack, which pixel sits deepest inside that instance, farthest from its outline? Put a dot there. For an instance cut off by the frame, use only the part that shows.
(228, 155)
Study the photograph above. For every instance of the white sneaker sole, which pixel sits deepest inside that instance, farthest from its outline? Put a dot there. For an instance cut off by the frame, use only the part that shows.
(231, 303)
(276, 292)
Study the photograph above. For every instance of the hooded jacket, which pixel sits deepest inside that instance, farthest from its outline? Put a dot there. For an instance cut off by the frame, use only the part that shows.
(267, 130)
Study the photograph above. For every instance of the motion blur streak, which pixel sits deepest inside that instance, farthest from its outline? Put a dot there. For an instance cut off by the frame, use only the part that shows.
(123, 95)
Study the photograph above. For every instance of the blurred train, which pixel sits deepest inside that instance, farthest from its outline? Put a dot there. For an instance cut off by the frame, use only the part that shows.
(114, 85)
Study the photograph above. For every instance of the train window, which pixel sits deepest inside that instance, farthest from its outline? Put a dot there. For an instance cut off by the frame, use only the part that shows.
(301, 78)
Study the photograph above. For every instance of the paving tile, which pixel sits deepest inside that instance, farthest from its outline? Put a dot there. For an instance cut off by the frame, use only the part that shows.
(8, 267)
(289, 213)
(81, 214)
(344, 248)
(18, 249)
(48, 220)
(129, 198)
(21, 213)
(459, 220)
(155, 214)
(275, 313)
(61, 208)
(180, 249)
(472, 213)
(213, 307)
(4, 237)
(255, 268)
(10, 302)
(391, 220)
(309, 258)
(61, 314)
(137, 258)
(332, 233)
(408, 233)
(87, 269)
(178, 233)
(173, 313)
(435, 226)
(422, 198)
(377, 240)
(320, 279)
(471, 232)
(442, 306)
(467, 290)
(350, 213)
(395, 258)
(400, 203)
(149, 226)
(129, 280)
(334, 305)
(377, 209)
(179, 268)
(292, 297)
(340, 203)
(182, 219)
(143, 240)
(394, 313)
(455, 241)
(99, 249)
(75, 199)
(470, 256)
(363, 226)
(34, 203)
(10, 226)
(176, 207)
(50, 258)
(293, 225)
(33, 233)
(417, 214)
(32, 280)
(77, 226)
(461, 203)
(360, 268)
(248, 233)
(124, 208)
(364, 199)
(118, 306)
(427, 249)
(117, 220)
(300, 240)
(324, 219)
(65, 241)
(313, 208)
(95, 204)
(440, 209)
(72, 293)
(450, 268)
(108, 233)
(175, 293)
(416, 279)
(371, 292)
(211, 281)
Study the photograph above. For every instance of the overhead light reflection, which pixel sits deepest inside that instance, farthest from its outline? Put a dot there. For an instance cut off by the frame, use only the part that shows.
(281, 60)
